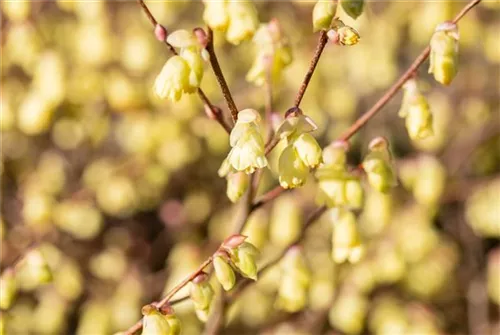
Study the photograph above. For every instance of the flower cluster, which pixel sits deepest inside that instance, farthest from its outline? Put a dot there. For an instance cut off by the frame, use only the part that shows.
(181, 73)
(337, 187)
(247, 153)
(159, 322)
(295, 281)
(444, 53)
(416, 111)
(378, 165)
(273, 54)
(238, 19)
(302, 152)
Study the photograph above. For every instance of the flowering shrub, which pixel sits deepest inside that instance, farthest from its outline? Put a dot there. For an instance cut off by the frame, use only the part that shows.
(123, 123)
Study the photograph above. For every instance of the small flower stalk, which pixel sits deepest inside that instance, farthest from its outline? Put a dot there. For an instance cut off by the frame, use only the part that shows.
(181, 73)
(238, 19)
(201, 293)
(379, 167)
(337, 187)
(323, 13)
(444, 53)
(8, 289)
(295, 281)
(346, 241)
(302, 152)
(248, 152)
(273, 54)
(341, 34)
(353, 8)
(416, 111)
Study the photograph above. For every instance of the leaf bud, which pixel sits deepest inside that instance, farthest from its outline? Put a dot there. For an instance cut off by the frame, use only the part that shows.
(160, 32)
(323, 13)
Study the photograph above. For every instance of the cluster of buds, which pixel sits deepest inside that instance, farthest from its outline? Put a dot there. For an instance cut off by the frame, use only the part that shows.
(302, 152)
(416, 111)
(201, 293)
(235, 254)
(353, 8)
(378, 165)
(238, 19)
(323, 13)
(341, 34)
(336, 186)
(295, 281)
(160, 321)
(181, 73)
(273, 54)
(248, 152)
(346, 242)
(444, 53)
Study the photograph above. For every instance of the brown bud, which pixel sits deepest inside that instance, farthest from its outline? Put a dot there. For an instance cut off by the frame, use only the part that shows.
(234, 241)
(148, 309)
(200, 278)
(201, 36)
(333, 36)
(378, 143)
(341, 144)
(160, 32)
(166, 309)
(293, 112)
(213, 112)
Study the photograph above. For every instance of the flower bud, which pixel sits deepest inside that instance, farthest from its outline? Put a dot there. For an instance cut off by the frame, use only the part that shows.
(160, 32)
(224, 273)
(354, 194)
(153, 322)
(323, 13)
(8, 289)
(173, 79)
(415, 109)
(292, 170)
(353, 8)
(378, 166)
(308, 150)
(345, 239)
(201, 292)
(243, 258)
(234, 241)
(237, 185)
(243, 21)
(348, 36)
(215, 14)
(444, 53)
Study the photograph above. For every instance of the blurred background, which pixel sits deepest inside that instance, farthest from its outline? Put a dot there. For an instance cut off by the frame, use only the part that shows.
(120, 193)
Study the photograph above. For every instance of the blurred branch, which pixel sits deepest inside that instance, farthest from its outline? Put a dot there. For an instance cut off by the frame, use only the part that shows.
(220, 76)
(215, 112)
(401, 81)
(317, 54)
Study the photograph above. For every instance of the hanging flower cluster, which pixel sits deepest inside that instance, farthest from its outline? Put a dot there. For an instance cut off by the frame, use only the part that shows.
(248, 152)
(444, 53)
(416, 111)
(273, 54)
(295, 281)
(337, 187)
(346, 241)
(181, 73)
(238, 19)
(302, 152)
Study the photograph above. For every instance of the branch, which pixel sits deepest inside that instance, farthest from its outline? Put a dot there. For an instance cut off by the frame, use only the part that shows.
(213, 112)
(220, 76)
(317, 54)
(401, 81)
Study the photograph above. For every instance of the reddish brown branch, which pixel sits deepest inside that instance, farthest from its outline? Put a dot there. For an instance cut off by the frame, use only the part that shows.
(317, 54)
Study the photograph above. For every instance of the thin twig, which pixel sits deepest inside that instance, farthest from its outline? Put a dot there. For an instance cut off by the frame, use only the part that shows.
(220, 76)
(401, 81)
(317, 54)
(136, 327)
